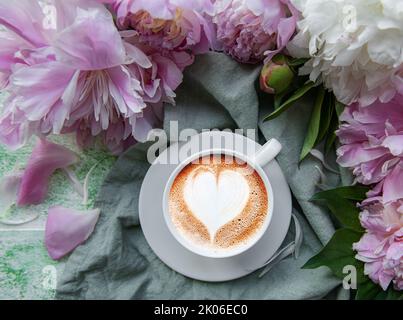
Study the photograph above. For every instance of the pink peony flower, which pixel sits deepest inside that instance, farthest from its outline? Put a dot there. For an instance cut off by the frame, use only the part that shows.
(79, 75)
(381, 247)
(168, 24)
(372, 145)
(249, 30)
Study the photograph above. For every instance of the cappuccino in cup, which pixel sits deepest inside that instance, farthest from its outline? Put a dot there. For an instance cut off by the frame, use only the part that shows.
(218, 203)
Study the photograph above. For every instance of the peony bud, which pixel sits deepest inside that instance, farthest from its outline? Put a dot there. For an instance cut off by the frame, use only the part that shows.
(276, 76)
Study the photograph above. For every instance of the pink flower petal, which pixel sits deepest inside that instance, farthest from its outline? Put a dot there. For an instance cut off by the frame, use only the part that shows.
(25, 18)
(354, 154)
(395, 251)
(40, 87)
(9, 186)
(92, 42)
(46, 157)
(160, 9)
(67, 228)
(394, 144)
(168, 24)
(253, 30)
(10, 45)
(137, 55)
(385, 279)
(372, 146)
(381, 247)
(170, 73)
(393, 185)
(14, 130)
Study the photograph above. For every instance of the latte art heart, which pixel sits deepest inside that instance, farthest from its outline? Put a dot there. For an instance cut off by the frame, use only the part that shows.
(218, 205)
(216, 199)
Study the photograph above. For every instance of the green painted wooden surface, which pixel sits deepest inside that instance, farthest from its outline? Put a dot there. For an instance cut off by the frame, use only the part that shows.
(26, 271)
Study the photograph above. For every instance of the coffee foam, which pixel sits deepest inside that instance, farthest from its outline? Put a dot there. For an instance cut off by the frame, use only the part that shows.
(224, 221)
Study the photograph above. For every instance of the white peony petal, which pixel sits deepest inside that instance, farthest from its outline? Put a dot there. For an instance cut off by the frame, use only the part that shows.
(356, 47)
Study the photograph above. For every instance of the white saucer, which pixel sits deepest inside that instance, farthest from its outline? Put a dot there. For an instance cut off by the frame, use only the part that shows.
(177, 257)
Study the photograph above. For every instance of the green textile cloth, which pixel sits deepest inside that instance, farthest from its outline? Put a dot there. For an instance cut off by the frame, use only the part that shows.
(117, 263)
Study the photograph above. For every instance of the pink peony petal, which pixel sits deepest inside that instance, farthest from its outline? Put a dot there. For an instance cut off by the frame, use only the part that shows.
(385, 279)
(393, 185)
(253, 30)
(168, 24)
(395, 251)
(46, 157)
(40, 87)
(160, 9)
(10, 45)
(14, 132)
(25, 18)
(67, 228)
(170, 74)
(372, 144)
(121, 89)
(92, 42)
(381, 247)
(354, 154)
(9, 186)
(394, 144)
(137, 56)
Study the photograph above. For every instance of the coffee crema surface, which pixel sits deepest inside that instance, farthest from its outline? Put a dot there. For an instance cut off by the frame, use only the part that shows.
(219, 202)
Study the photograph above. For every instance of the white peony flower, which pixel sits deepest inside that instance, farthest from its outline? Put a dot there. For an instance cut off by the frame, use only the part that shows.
(355, 46)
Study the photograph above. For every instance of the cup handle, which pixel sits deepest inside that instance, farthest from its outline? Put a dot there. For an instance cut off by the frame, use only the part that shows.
(268, 152)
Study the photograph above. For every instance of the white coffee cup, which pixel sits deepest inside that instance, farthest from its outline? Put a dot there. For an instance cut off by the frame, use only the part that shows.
(266, 154)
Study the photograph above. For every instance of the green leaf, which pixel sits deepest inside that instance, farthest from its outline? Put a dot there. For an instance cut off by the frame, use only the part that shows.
(339, 107)
(331, 137)
(297, 62)
(342, 203)
(337, 253)
(369, 290)
(288, 103)
(278, 98)
(393, 294)
(314, 124)
(346, 213)
(326, 117)
(358, 193)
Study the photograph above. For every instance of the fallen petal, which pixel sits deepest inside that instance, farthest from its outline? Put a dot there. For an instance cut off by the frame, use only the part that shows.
(74, 181)
(68, 228)
(86, 184)
(46, 157)
(9, 186)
